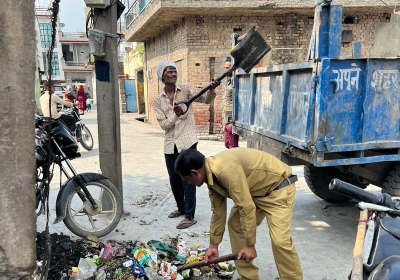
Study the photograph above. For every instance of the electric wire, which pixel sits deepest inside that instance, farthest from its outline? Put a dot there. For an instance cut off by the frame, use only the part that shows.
(384, 3)
(54, 19)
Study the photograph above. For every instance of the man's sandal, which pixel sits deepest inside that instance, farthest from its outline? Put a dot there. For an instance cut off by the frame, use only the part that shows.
(186, 224)
(175, 214)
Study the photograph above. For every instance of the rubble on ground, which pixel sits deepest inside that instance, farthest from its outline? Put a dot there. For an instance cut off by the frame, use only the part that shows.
(124, 260)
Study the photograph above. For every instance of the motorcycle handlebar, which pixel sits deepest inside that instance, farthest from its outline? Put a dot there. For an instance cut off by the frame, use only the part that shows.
(359, 194)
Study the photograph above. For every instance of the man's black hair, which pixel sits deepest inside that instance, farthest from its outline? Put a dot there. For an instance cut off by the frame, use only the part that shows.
(188, 160)
(47, 85)
(228, 59)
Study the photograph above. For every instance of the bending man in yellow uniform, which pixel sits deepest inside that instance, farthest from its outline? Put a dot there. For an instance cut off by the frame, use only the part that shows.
(261, 186)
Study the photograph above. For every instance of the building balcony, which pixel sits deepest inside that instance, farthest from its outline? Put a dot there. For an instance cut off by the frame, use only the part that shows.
(74, 66)
(73, 37)
(147, 18)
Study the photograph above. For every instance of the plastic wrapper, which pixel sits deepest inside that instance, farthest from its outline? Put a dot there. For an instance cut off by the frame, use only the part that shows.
(186, 273)
(137, 270)
(196, 272)
(138, 254)
(144, 260)
(193, 259)
(225, 274)
(182, 248)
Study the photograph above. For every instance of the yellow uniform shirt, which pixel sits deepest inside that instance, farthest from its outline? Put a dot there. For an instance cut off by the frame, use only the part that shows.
(241, 174)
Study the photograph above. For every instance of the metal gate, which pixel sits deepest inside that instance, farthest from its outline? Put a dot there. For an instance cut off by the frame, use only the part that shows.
(130, 93)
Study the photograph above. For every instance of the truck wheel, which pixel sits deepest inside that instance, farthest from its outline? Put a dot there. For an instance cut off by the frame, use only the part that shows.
(392, 182)
(318, 179)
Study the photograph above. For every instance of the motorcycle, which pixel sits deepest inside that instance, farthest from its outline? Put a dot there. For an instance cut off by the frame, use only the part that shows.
(82, 133)
(376, 254)
(87, 203)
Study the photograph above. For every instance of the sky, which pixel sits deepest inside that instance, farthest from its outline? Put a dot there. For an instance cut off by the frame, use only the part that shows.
(71, 14)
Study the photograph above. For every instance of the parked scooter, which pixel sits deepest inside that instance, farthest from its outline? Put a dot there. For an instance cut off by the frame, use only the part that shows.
(377, 249)
(87, 203)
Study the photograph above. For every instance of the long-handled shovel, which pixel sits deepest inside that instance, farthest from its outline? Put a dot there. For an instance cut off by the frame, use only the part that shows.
(225, 258)
(247, 53)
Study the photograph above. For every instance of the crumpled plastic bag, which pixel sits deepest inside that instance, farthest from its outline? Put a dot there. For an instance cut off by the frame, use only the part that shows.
(152, 274)
(86, 269)
(161, 246)
(107, 252)
(101, 274)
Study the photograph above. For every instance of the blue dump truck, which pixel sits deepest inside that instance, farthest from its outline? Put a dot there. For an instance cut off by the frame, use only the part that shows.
(340, 118)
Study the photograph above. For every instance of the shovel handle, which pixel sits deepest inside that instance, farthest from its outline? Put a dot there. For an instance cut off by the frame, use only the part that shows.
(201, 92)
(225, 258)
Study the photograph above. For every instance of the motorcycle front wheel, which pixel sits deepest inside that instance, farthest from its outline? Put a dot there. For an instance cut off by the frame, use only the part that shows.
(86, 138)
(82, 219)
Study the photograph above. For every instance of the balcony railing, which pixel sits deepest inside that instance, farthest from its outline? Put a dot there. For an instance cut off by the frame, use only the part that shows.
(135, 10)
(74, 35)
(73, 63)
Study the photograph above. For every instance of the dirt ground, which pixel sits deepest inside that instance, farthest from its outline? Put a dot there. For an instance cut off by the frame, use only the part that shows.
(323, 233)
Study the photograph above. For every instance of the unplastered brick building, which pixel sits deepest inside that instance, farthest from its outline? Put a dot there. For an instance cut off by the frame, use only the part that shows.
(196, 35)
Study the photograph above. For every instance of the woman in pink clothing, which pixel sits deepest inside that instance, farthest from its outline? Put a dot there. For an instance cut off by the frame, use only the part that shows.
(81, 98)
(231, 140)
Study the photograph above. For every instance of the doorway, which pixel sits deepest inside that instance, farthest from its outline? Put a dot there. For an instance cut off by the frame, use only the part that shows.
(140, 91)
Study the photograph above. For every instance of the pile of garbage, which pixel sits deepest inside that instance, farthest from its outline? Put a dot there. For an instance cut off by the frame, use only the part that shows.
(125, 260)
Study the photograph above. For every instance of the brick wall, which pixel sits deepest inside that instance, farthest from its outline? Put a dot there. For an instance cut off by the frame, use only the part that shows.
(363, 31)
(202, 43)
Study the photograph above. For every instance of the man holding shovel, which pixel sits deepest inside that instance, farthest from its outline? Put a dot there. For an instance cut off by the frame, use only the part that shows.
(180, 134)
(261, 186)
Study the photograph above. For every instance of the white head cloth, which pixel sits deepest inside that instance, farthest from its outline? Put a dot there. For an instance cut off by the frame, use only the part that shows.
(161, 66)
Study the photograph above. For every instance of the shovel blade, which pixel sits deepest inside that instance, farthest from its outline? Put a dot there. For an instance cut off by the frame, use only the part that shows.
(250, 50)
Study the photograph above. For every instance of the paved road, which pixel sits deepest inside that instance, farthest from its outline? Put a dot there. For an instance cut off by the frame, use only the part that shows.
(323, 233)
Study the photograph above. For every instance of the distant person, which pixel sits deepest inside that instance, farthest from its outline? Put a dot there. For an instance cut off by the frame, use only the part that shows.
(70, 96)
(180, 134)
(49, 89)
(260, 186)
(231, 140)
(88, 105)
(81, 98)
(227, 100)
(87, 93)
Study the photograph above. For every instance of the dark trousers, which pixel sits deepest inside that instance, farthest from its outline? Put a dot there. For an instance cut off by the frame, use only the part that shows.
(185, 194)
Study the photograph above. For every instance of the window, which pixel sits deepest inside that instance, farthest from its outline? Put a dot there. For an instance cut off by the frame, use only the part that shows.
(45, 34)
(350, 20)
(54, 64)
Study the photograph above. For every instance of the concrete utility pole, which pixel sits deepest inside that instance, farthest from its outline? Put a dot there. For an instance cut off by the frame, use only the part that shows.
(17, 140)
(107, 98)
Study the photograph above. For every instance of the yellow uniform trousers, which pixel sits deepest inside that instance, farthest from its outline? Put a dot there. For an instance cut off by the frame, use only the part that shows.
(277, 208)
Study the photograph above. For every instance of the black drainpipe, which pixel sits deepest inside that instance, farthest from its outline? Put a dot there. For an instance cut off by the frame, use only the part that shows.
(212, 73)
